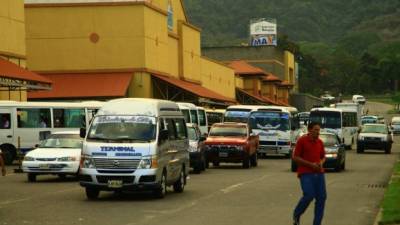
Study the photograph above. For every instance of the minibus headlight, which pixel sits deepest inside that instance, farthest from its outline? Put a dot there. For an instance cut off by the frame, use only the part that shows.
(66, 159)
(29, 158)
(87, 162)
(148, 162)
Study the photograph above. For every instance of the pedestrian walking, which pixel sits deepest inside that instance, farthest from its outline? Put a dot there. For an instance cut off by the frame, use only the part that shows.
(2, 165)
(309, 155)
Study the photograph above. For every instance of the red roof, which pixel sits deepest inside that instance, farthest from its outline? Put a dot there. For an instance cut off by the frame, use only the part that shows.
(286, 83)
(282, 103)
(194, 88)
(11, 70)
(271, 77)
(85, 85)
(258, 97)
(243, 68)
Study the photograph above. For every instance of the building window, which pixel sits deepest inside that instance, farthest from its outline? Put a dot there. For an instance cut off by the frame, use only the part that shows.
(170, 16)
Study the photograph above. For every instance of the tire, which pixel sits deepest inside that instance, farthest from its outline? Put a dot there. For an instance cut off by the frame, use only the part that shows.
(344, 165)
(92, 193)
(31, 177)
(254, 160)
(338, 167)
(162, 191)
(388, 150)
(197, 168)
(203, 163)
(360, 150)
(207, 164)
(246, 161)
(215, 164)
(62, 176)
(293, 166)
(8, 155)
(179, 185)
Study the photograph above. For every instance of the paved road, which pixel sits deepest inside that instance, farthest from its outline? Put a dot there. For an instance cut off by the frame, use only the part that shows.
(220, 196)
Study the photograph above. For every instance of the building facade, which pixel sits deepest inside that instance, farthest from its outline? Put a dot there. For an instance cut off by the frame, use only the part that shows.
(15, 81)
(145, 48)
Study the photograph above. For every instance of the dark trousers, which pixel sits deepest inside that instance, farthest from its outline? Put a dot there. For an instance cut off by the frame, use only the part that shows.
(313, 186)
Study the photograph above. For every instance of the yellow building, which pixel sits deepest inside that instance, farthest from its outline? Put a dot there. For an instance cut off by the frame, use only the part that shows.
(146, 48)
(14, 79)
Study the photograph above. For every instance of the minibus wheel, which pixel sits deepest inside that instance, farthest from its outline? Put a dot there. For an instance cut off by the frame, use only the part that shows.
(31, 177)
(162, 191)
(179, 185)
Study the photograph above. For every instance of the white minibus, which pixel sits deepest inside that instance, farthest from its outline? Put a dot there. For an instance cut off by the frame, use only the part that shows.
(135, 144)
(342, 122)
(29, 122)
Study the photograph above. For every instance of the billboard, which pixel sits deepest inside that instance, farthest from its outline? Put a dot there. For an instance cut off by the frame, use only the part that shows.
(263, 32)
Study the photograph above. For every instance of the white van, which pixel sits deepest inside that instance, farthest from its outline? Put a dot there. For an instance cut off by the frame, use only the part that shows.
(359, 99)
(194, 114)
(135, 144)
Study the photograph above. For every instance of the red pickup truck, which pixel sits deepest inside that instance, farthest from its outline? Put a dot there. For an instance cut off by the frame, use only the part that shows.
(232, 143)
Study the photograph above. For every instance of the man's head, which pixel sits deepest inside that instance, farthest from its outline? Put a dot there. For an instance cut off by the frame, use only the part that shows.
(313, 129)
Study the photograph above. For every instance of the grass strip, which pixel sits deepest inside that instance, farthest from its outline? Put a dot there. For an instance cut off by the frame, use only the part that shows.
(391, 201)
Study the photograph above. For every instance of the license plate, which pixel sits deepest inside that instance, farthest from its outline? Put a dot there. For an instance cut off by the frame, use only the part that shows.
(115, 183)
(223, 154)
(44, 166)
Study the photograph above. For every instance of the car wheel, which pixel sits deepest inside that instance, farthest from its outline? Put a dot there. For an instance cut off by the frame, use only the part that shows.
(344, 165)
(179, 185)
(360, 150)
(203, 165)
(254, 160)
(388, 150)
(162, 191)
(215, 163)
(31, 177)
(338, 167)
(62, 176)
(246, 161)
(92, 193)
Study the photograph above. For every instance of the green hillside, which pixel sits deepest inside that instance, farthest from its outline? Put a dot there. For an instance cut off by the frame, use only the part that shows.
(342, 46)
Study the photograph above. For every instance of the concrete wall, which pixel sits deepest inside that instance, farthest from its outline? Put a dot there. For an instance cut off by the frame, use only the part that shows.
(304, 102)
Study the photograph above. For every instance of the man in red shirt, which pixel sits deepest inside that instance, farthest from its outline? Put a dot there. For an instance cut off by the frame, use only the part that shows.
(309, 155)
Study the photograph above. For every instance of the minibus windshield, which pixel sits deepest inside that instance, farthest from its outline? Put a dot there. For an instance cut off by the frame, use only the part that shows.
(269, 121)
(123, 128)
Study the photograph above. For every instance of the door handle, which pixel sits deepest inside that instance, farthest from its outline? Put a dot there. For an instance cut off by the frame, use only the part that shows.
(9, 136)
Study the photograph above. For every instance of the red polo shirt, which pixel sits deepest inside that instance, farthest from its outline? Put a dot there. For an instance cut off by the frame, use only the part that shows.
(309, 150)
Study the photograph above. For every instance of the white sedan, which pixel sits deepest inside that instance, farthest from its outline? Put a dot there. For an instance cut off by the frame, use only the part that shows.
(60, 155)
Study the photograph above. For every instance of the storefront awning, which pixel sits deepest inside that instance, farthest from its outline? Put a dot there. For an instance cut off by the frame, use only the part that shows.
(85, 85)
(195, 89)
(13, 76)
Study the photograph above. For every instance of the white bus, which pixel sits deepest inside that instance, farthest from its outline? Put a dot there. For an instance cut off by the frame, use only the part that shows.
(32, 121)
(343, 122)
(194, 114)
(352, 106)
(276, 127)
(240, 113)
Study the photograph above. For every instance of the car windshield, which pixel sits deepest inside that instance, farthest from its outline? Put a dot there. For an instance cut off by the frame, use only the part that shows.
(269, 121)
(328, 140)
(192, 134)
(327, 119)
(62, 141)
(228, 131)
(237, 115)
(374, 129)
(123, 128)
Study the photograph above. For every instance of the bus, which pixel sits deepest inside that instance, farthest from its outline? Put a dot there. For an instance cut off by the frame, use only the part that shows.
(276, 127)
(194, 114)
(214, 116)
(30, 122)
(240, 113)
(342, 122)
(352, 106)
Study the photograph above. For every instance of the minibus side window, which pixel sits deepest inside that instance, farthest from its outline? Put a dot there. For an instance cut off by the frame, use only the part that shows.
(202, 117)
(171, 129)
(180, 129)
(69, 117)
(33, 118)
(5, 121)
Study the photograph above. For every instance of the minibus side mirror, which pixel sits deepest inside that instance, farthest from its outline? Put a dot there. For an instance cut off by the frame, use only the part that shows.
(82, 132)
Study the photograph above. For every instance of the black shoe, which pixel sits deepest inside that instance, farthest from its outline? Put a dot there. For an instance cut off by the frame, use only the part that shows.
(296, 221)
